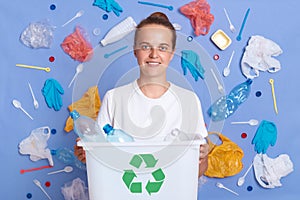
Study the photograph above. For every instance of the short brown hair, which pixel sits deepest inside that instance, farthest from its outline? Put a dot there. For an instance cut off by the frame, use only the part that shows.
(158, 18)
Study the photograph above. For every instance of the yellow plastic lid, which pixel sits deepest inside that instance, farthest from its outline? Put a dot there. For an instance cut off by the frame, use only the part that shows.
(220, 39)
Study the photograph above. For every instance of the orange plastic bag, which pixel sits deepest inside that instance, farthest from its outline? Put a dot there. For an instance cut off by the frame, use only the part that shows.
(88, 105)
(225, 159)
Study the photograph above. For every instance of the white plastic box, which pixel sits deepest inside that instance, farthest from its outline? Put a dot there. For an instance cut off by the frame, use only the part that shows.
(142, 170)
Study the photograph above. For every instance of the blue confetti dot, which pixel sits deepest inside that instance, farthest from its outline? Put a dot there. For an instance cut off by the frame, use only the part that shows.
(258, 93)
(53, 131)
(52, 7)
(249, 188)
(105, 17)
(190, 38)
(29, 195)
(53, 152)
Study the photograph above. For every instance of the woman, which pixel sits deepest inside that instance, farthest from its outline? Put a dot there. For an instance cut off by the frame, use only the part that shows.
(130, 107)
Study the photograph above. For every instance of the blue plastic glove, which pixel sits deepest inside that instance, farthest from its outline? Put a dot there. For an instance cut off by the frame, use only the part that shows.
(52, 92)
(108, 6)
(190, 60)
(265, 135)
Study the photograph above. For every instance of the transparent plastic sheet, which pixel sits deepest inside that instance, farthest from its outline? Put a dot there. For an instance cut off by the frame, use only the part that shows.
(75, 190)
(38, 35)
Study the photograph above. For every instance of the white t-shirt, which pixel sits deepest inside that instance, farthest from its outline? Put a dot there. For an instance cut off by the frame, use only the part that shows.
(127, 108)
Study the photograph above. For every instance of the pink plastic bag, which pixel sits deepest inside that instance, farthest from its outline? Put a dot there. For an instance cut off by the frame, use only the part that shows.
(77, 46)
(198, 12)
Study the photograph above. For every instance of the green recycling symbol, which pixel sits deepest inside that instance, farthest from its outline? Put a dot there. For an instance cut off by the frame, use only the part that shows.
(151, 186)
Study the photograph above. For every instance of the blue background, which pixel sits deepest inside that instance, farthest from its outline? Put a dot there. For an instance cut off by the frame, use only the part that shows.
(275, 20)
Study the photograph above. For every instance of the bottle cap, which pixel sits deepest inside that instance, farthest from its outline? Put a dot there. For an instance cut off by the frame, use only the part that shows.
(107, 128)
(74, 114)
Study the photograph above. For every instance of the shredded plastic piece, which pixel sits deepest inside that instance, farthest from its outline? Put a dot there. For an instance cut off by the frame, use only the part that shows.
(198, 12)
(77, 46)
(38, 35)
(108, 6)
(75, 190)
(225, 159)
(35, 145)
(52, 92)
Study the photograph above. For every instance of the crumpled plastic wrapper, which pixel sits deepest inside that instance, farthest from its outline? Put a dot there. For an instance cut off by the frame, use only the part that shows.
(77, 46)
(198, 12)
(259, 56)
(35, 145)
(38, 35)
(225, 159)
(269, 171)
(88, 105)
(75, 190)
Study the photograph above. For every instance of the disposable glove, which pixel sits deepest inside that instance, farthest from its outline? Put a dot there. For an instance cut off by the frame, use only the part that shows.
(190, 60)
(52, 92)
(265, 135)
(108, 6)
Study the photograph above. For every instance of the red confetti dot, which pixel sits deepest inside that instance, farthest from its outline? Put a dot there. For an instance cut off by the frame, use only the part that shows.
(216, 57)
(244, 135)
(47, 184)
(51, 58)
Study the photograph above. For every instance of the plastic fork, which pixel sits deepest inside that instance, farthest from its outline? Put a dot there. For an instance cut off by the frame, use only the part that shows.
(220, 185)
(35, 102)
(78, 14)
(231, 27)
(220, 87)
(38, 183)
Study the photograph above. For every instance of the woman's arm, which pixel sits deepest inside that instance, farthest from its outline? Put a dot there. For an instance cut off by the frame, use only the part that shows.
(203, 160)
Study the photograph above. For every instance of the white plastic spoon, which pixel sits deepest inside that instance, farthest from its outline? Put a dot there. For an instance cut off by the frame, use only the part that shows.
(220, 185)
(226, 70)
(220, 87)
(78, 14)
(38, 183)
(241, 180)
(79, 69)
(67, 169)
(18, 104)
(35, 102)
(251, 122)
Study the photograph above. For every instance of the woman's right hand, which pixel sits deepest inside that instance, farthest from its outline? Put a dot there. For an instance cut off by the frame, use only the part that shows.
(79, 152)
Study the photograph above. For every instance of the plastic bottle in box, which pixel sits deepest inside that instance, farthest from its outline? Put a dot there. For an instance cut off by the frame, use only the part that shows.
(116, 135)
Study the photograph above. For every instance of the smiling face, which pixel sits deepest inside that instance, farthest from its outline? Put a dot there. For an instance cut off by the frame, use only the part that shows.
(153, 49)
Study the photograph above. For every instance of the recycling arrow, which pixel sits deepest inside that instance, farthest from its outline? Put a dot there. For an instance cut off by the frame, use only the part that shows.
(149, 160)
(151, 186)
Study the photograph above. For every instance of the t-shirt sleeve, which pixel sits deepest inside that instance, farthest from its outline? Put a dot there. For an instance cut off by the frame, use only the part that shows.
(201, 124)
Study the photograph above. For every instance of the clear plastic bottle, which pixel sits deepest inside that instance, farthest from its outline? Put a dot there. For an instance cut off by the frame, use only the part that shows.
(116, 135)
(119, 31)
(86, 128)
(227, 105)
(67, 156)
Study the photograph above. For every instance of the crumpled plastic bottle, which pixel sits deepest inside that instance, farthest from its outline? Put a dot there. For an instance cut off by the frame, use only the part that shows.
(116, 135)
(228, 104)
(86, 128)
(67, 156)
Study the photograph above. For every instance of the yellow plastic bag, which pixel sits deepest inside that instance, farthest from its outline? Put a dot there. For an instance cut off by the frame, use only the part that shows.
(88, 105)
(225, 159)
